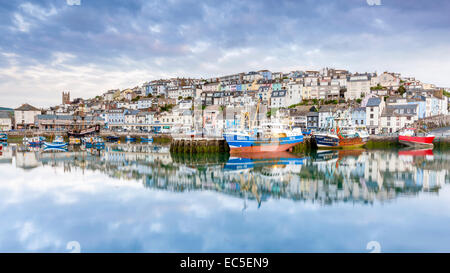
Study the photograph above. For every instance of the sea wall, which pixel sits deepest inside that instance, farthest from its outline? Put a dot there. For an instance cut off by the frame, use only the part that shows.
(193, 146)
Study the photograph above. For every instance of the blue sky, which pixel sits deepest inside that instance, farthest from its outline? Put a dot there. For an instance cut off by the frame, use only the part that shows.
(48, 46)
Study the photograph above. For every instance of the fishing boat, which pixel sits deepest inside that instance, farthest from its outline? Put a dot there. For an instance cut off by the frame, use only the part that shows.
(269, 137)
(340, 132)
(147, 139)
(338, 139)
(34, 141)
(58, 142)
(412, 137)
(94, 142)
(256, 141)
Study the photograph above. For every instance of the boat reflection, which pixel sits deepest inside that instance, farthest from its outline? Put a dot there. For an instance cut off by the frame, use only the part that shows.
(325, 177)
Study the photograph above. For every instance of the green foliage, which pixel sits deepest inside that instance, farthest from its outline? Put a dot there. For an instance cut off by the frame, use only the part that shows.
(166, 108)
(401, 90)
(447, 94)
(305, 102)
(358, 100)
(136, 98)
(378, 87)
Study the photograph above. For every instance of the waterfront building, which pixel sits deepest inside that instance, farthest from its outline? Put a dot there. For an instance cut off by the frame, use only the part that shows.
(114, 118)
(359, 116)
(25, 116)
(312, 120)
(398, 116)
(374, 108)
(67, 122)
(5, 121)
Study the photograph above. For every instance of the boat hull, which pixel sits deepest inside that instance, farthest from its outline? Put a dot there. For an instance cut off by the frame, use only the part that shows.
(328, 142)
(55, 145)
(415, 141)
(245, 144)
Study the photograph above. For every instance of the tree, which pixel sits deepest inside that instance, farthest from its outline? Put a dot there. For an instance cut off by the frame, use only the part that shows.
(401, 90)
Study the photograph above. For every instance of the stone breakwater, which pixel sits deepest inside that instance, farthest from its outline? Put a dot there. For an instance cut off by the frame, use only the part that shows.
(193, 146)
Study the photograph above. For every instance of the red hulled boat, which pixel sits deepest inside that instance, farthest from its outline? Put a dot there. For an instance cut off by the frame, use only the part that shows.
(409, 137)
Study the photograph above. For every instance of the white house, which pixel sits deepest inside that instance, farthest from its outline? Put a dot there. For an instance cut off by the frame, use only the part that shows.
(25, 116)
(278, 99)
(294, 93)
(374, 108)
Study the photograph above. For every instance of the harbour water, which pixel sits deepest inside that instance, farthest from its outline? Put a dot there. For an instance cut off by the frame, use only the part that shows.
(141, 198)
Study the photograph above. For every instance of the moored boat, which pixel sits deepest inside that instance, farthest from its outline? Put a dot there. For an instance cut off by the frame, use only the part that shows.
(411, 137)
(57, 143)
(246, 142)
(338, 139)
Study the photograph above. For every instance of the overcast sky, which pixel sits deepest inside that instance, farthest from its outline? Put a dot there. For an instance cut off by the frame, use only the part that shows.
(48, 46)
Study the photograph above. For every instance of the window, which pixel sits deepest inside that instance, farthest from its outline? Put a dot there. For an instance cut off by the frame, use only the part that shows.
(371, 115)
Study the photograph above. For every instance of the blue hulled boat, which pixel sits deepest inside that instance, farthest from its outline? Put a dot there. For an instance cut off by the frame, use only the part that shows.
(245, 142)
(57, 143)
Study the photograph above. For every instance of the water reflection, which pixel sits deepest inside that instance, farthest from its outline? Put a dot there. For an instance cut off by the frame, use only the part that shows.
(325, 177)
(140, 198)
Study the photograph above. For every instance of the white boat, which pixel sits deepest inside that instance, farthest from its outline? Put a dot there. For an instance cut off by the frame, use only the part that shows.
(57, 143)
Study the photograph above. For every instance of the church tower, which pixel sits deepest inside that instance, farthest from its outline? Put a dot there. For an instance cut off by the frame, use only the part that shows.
(66, 97)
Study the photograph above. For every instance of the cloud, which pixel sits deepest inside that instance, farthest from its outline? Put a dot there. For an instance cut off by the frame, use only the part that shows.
(203, 39)
(73, 2)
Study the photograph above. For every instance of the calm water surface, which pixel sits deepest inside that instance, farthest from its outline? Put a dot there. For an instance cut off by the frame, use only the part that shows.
(134, 198)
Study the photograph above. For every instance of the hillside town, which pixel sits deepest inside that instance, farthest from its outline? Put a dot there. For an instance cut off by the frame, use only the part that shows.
(381, 103)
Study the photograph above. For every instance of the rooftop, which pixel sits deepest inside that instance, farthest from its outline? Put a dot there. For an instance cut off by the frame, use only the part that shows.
(372, 102)
(27, 107)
